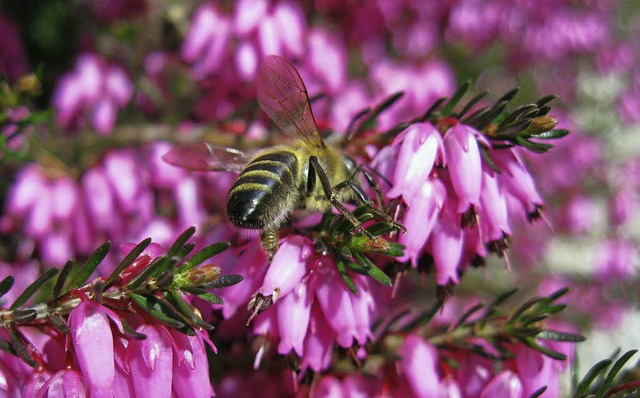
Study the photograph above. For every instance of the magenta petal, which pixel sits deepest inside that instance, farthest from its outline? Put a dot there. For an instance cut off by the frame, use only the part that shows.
(93, 344)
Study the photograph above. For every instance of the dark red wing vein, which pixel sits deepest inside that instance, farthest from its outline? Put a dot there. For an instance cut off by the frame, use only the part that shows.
(283, 96)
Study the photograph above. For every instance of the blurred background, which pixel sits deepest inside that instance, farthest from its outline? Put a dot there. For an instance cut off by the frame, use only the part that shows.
(94, 92)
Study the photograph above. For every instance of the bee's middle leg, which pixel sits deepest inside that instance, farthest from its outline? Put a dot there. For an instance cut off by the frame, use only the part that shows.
(362, 199)
(315, 169)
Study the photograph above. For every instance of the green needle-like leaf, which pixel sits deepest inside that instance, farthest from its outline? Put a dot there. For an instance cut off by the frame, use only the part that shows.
(203, 255)
(31, 289)
(159, 310)
(591, 376)
(6, 285)
(92, 263)
(613, 372)
(128, 260)
(180, 242)
(373, 271)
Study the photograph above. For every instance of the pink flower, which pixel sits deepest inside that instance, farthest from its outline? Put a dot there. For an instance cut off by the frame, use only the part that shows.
(420, 144)
(516, 180)
(419, 365)
(505, 384)
(288, 266)
(206, 41)
(94, 90)
(151, 361)
(93, 345)
(421, 216)
(190, 366)
(294, 312)
(65, 383)
(463, 162)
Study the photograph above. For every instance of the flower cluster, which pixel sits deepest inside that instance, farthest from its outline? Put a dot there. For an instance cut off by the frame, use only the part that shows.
(115, 335)
(380, 294)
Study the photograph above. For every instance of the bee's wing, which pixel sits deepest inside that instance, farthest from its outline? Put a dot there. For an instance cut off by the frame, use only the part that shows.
(206, 157)
(283, 96)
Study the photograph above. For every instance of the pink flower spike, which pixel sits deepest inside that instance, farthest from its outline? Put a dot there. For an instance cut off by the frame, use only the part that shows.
(418, 150)
(464, 163)
(288, 267)
(93, 346)
(419, 366)
(151, 362)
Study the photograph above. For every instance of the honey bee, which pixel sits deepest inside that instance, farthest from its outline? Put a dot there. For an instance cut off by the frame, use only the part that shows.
(303, 173)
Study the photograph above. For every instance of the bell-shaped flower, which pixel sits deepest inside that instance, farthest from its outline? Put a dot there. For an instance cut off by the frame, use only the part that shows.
(93, 345)
(419, 365)
(421, 216)
(190, 367)
(151, 362)
(420, 145)
(447, 242)
(505, 384)
(288, 267)
(206, 41)
(318, 345)
(335, 300)
(294, 311)
(64, 383)
(464, 163)
(493, 208)
(516, 179)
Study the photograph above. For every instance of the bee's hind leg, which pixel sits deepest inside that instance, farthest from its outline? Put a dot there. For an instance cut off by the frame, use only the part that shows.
(315, 169)
(269, 239)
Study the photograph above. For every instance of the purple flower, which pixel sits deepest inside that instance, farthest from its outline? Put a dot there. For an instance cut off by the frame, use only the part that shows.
(93, 90)
(516, 180)
(616, 259)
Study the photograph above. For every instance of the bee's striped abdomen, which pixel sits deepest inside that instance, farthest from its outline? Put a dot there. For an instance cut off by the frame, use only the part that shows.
(256, 198)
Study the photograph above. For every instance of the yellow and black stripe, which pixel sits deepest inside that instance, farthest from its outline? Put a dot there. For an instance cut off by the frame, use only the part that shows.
(255, 199)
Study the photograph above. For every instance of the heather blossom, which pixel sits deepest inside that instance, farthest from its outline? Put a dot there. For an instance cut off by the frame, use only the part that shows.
(94, 90)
